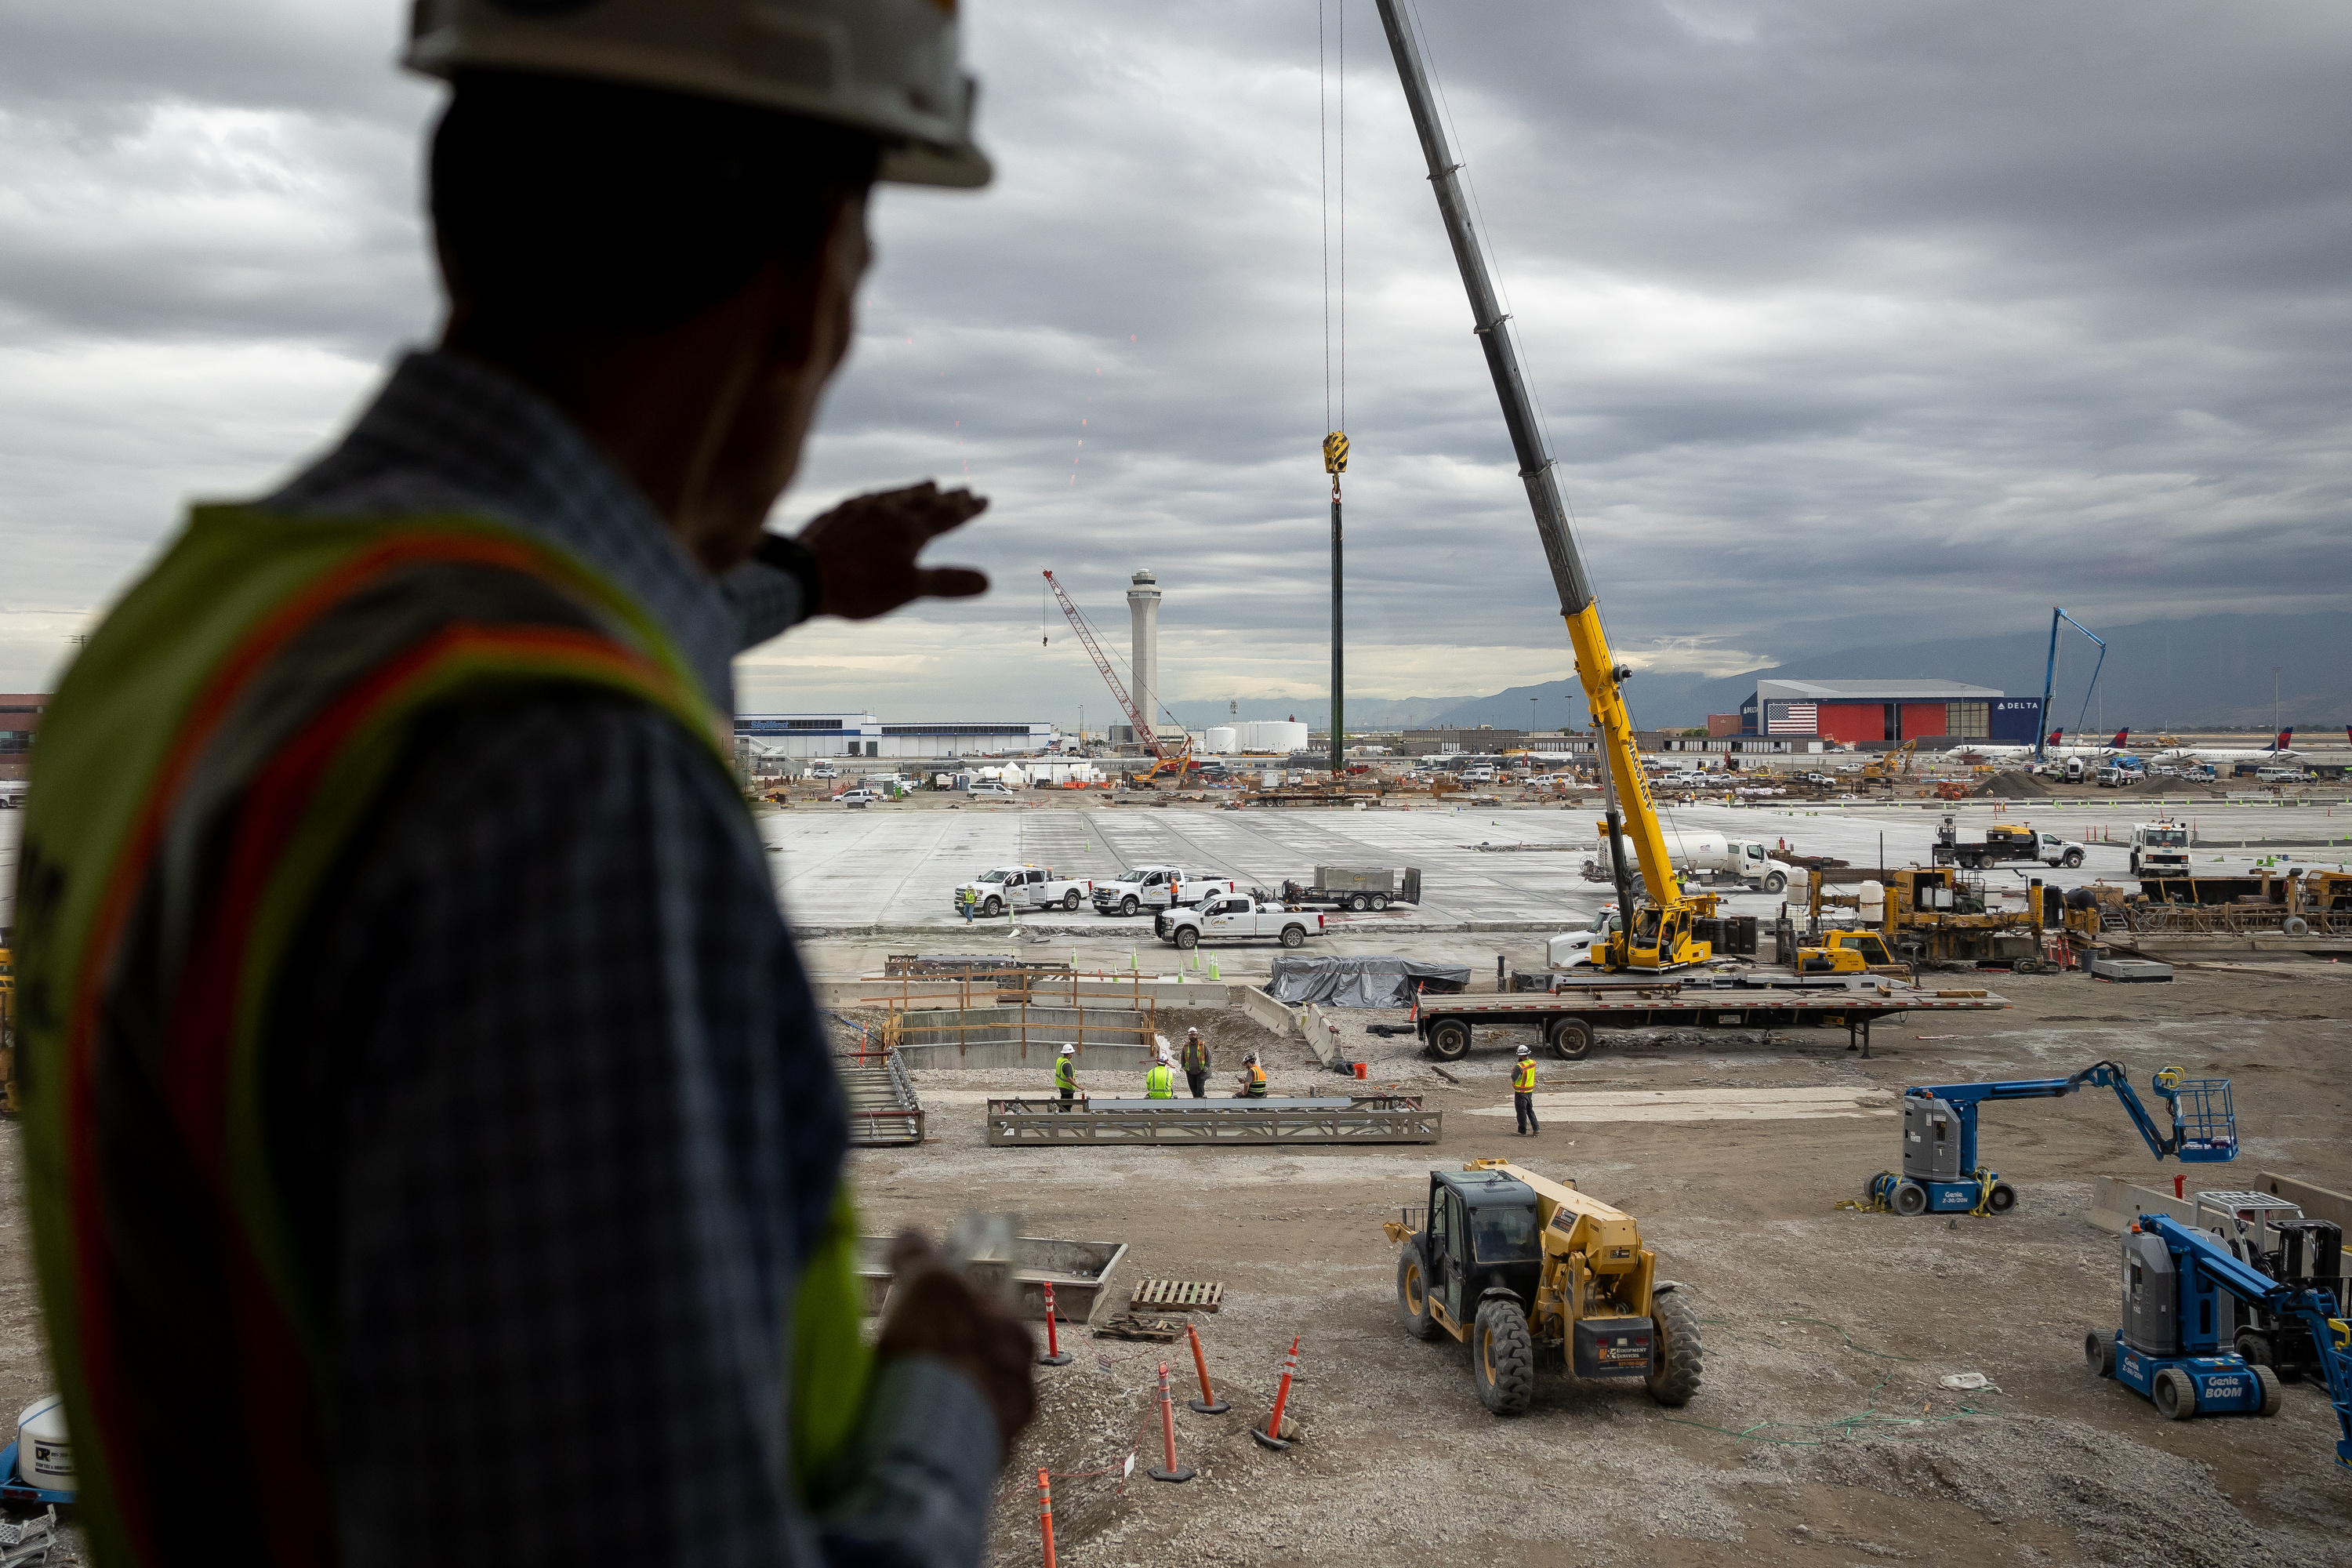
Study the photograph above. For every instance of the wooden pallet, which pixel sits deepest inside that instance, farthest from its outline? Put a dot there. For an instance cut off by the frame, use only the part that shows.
(1176, 1296)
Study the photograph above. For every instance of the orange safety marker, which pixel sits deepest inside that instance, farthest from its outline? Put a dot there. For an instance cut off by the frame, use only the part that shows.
(1045, 1515)
(1271, 1437)
(1054, 1354)
(1171, 1472)
(1207, 1403)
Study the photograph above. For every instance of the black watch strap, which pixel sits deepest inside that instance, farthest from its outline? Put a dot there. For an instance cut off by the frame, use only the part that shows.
(796, 561)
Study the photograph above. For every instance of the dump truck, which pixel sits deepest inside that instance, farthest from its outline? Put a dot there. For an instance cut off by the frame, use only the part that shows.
(1534, 1276)
(1356, 887)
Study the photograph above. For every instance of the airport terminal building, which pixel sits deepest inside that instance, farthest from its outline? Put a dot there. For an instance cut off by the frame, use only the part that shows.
(1862, 712)
(813, 735)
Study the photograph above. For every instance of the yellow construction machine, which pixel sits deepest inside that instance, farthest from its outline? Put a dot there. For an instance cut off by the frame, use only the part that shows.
(1532, 1275)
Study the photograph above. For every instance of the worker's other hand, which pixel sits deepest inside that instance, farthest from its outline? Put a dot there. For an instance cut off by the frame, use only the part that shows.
(865, 551)
(934, 1312)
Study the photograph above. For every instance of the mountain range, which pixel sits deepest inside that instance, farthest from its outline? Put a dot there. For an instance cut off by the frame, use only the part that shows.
(2201, 672)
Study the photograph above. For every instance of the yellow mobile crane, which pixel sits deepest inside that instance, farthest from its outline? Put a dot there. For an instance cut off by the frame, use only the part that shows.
(1665, 932)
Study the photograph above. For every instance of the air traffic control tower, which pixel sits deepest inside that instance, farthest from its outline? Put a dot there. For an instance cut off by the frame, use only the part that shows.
(1143, 606)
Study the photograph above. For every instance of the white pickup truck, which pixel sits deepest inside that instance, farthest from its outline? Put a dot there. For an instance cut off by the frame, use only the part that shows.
(1236, 917)
(1021, 888)
(1144, 888)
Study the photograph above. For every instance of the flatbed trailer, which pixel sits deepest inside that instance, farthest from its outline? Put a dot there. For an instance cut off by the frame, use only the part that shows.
(1570, 1018)
(1028, 1122)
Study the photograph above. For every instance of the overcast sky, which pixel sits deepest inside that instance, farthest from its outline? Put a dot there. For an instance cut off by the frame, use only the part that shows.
(1852, 321)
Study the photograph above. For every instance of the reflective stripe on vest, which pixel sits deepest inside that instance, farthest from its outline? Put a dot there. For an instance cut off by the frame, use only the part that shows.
(1065, 1072)
(1523, 1076)
(1159, 1083)
(202, 766)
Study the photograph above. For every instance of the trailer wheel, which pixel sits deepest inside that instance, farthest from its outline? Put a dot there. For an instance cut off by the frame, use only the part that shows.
(2175, 1395)
(2268, 1381)
(1128, 905)
(1294, 936)
(2002, 1199)
(1676, 1348)
(1503, 1358)
(1070, 900)
(2295, 925)
(1910, 1199)
(1412, 1293)
(2099, 1351)
(1187, 936)
(1379, 903)
(1571, 1038)
(1449, 1039)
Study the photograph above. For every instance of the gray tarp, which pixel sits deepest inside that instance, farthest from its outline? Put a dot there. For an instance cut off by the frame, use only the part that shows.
(1361, 981)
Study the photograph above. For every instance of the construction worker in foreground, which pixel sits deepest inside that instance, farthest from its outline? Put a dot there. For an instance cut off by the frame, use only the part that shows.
(1253, 1078)
(1065, 1074)
(1159, 1080)
(426, 1101)
(1523, 1092)
(1196, 1064)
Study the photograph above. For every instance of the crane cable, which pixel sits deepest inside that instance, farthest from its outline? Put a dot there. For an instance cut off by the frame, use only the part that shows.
(1335, 443)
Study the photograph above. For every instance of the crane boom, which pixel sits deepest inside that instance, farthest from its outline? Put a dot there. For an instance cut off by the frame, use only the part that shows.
(1144, 731)
(1659, 936)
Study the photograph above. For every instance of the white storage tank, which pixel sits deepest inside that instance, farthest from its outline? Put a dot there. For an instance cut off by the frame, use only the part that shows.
(1221, 740)
(1278, 736)
(1872, 903)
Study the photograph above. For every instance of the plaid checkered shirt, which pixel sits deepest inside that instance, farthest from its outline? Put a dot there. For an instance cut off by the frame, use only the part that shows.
(567, 1122)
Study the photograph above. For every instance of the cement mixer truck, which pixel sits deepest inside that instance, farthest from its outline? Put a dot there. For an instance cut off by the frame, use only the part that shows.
(1709, 857)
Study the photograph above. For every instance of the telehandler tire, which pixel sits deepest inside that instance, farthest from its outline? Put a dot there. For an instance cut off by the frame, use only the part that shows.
(1412, 1293)
(1676, 1346)
(1571, 1039)
(1503, 1358)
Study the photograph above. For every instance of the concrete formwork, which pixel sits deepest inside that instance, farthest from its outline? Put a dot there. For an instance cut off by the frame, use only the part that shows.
(1015, 1035)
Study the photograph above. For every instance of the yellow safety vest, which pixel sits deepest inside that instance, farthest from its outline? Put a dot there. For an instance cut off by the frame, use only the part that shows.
(1523, 1076)
(1255, 1089)
(1065, 1072)
(1159, 1083)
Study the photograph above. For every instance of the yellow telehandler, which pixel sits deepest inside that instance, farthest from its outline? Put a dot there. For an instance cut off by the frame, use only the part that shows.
(1531, 1274)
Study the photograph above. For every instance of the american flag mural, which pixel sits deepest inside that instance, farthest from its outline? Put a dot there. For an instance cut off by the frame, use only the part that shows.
(1792, 718)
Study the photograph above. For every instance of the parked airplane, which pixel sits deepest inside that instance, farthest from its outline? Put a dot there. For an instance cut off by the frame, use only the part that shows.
(2054, 750)
(2278, 750)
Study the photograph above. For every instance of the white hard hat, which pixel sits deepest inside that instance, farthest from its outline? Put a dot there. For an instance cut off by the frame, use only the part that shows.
(891, 67)
(1525, 1051)
(1069, 1050)
(1192, 1031)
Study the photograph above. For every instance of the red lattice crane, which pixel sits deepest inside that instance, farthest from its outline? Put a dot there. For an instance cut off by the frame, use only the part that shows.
(1177, 757)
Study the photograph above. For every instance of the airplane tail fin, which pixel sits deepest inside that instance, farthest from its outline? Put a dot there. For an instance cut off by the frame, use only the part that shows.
(2286, 738)
(2055, 736)
(2123, 738)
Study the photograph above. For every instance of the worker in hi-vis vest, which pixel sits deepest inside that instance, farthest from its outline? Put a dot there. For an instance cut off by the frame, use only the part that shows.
(423, 1092)
(1523, 1092)
(1159, 1080)
(1253, 1078)
(1197, 1064)
(1066, 1074)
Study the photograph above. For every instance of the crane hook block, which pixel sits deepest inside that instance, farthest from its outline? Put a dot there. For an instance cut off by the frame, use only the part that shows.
(1335, 452)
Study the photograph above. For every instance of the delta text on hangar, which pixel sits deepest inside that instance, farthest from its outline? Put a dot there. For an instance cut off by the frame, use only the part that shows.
(1865, 712)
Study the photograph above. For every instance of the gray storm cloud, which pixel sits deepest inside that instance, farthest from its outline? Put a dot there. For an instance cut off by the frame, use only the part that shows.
(1847, 319)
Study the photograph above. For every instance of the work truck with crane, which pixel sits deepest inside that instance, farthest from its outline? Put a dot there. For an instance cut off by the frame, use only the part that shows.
(1643, 970)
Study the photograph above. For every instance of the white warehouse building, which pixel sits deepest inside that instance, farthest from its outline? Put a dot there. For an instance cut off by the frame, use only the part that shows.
(811, 735)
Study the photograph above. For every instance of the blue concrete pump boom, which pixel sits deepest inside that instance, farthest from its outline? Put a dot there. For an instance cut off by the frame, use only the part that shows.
(2169, 1346)
(1941, 1174)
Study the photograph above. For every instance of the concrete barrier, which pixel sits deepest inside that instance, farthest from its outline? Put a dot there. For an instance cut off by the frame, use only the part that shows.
(1264, 1010)
(2316, 1202)
(2116, 1203)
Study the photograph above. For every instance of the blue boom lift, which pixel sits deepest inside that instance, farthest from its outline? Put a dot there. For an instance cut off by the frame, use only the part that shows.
(1941, 1174)
(2169, 1347)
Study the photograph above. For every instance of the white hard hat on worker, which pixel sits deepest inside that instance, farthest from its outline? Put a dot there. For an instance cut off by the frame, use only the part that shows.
(889, 66)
